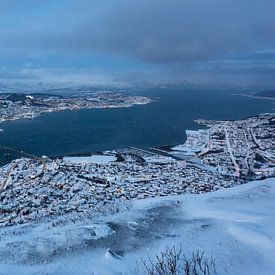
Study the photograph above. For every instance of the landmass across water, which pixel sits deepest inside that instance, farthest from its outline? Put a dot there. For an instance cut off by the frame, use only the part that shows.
(162, 122)
(18, 106)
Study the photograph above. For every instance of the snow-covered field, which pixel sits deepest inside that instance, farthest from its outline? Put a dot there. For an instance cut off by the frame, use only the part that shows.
(236, 226)
(100, 159)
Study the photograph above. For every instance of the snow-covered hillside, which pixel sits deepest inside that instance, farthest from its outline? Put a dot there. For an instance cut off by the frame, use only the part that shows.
(236, 226)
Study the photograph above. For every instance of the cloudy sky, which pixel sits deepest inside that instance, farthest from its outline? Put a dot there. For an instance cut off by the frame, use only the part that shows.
(138, 41)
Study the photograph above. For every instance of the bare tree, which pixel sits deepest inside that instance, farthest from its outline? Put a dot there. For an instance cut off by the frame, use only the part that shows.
(174, 262)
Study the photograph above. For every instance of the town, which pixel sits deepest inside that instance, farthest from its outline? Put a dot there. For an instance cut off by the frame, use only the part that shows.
(18, 106)
(222, 155)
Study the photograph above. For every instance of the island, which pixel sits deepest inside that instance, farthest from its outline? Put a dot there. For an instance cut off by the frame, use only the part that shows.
(29, 105)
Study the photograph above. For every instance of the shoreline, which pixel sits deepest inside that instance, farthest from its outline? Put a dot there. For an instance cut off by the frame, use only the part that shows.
(169, 149)
(27, 117)
(26, 106)
(206, 162)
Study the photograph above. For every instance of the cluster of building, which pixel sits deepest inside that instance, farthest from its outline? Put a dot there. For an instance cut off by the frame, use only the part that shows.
(245, 147)
(17, 106)
(226, 154)
(36, 188)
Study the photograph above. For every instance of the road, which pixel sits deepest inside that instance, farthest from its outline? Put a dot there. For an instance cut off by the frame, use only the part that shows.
(4, 183)
(248, 150)
(44, 165)
(254, 137)
(236, 166)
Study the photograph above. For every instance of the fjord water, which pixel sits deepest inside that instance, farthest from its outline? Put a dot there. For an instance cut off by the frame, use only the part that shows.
(160, 123)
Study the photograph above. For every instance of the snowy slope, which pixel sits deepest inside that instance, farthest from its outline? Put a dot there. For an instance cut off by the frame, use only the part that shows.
(236, 226)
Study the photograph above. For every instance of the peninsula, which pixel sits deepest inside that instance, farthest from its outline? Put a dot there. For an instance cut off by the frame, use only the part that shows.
(17, 106)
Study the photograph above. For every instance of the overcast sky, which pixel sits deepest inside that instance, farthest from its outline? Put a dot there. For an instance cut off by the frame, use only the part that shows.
(138, 41)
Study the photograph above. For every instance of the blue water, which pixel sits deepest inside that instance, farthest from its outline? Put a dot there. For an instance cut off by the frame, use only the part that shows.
(157, 124)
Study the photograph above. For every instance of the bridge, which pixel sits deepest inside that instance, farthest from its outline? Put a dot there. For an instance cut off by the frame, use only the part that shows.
(4, 183)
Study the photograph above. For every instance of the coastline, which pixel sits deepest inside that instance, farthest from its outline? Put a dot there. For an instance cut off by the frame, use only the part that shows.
(206, 162)
(75, 108)
(134, 130)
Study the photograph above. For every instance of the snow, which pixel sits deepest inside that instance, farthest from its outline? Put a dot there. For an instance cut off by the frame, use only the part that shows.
(159, 159)
(99, 159)
(196, 141)
(236, 226)
(189, 151)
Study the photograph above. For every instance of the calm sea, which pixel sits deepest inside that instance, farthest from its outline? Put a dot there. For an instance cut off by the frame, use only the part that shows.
(157, 124)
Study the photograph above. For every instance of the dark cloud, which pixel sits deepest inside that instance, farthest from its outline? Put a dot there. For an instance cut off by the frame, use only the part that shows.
(183, 30)
(189, 32)
(154, 31)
